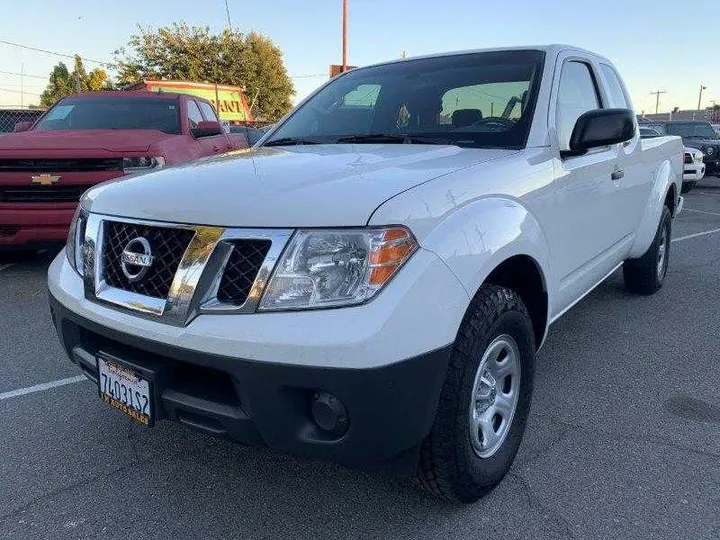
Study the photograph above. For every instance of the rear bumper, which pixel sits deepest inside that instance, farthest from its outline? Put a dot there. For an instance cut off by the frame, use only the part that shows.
(390, 408)
(30, 224)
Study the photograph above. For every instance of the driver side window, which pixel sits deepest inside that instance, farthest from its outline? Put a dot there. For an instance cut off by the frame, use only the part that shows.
(577, 95)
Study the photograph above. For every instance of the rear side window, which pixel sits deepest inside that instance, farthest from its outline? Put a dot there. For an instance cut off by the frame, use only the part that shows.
(617, 95)
(576, 96)
(194, 114)
(208, 111)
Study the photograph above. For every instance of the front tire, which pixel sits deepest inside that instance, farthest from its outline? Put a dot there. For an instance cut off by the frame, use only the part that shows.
(485, 399)
(647, 274)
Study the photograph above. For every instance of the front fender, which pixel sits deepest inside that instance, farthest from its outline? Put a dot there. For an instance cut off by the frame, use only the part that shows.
(477, 237)
(664, 178)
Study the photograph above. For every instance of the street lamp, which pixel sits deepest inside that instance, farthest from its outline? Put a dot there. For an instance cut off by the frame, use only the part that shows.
(700, 97)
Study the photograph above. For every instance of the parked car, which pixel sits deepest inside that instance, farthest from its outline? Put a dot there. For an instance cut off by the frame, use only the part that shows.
(693, 168)
(700, 135)
(371, 283)
(88, 138)
(252, 134)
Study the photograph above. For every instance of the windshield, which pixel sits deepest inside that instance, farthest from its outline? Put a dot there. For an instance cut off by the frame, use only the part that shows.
(104, 112)
(692, 129)
(476, 99)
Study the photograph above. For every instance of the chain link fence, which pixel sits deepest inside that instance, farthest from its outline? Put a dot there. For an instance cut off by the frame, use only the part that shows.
(11, 116)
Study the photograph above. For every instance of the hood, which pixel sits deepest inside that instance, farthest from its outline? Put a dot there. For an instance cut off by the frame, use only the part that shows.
(112, 140)
(693, 142)
(302, 186)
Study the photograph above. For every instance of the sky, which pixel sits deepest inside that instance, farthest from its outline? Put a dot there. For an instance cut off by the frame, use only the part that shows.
(648, 40)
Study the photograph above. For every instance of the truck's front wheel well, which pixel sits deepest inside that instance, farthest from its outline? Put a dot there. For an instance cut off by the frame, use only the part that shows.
(521, 274)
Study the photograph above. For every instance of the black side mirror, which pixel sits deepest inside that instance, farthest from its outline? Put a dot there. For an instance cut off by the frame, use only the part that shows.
(601, 127)
(206, 128)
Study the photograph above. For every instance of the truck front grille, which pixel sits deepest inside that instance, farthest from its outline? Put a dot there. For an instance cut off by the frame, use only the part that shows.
(168, 244)
(33, 165)
(32, 194)
(688, 158)
(241, 270)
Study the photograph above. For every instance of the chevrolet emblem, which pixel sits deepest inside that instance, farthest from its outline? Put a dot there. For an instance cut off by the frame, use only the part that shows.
(45, 179)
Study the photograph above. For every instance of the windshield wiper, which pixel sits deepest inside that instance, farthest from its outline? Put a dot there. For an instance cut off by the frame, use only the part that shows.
(286, 141)
(401, 138)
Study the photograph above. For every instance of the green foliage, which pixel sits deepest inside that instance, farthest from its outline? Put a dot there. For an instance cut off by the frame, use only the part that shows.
(193, 53)
(62, 82)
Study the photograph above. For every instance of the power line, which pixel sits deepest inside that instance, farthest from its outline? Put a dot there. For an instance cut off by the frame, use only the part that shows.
(19, 92)
(308, 76)
(54, 53)
(24, 75)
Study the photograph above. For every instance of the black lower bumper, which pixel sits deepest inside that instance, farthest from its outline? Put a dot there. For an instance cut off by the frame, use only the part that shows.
(712, 167)
(390, 409)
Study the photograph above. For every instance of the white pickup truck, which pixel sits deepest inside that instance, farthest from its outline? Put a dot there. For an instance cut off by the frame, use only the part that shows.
(371, 282)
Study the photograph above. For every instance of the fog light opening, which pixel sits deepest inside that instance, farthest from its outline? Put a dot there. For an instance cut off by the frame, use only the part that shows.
(329, 413)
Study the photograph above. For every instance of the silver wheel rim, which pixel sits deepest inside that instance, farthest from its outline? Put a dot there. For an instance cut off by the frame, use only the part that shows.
(494, 397)
(662, 254)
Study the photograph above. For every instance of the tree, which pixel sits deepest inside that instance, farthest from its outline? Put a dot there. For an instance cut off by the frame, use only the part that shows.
(63, 83)
(195, 54)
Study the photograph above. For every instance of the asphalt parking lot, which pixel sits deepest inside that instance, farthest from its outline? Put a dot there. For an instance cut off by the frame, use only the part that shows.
(623, 439)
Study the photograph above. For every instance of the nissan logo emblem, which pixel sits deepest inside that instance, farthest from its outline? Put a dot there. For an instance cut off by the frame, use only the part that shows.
(136, 259)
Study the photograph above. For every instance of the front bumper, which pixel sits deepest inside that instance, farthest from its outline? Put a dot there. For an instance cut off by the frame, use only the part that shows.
(252, 377)
(693, 172)
(390, 408)
(33, 224)
(712, 166)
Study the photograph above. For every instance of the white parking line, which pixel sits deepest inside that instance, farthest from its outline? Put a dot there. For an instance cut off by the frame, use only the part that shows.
(686, 209)
(6, 266)
(689, 236)
(41, 387)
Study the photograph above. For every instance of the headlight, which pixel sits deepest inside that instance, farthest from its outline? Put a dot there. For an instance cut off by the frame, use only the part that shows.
(76, 235)
(341, 267)
(697, 157)
(132, 164)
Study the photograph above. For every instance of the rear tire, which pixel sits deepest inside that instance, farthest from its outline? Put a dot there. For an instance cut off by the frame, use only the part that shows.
(647, 274)
(487, 390)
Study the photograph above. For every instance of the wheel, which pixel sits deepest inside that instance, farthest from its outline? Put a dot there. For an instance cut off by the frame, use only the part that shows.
(485, 399)
(686, 186)
(646, 274)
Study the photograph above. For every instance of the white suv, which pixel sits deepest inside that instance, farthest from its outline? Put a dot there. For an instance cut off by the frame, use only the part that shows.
(370, 283)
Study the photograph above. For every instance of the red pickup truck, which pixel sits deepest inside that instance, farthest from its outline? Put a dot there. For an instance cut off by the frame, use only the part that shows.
(88, 138)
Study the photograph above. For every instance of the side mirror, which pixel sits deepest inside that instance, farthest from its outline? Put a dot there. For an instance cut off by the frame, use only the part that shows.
(206, 128)
(22, 126)
(601, 127)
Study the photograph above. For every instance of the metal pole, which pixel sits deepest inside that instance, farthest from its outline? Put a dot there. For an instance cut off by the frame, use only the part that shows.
(700, 97)
(344, 35)
(22, 85)
(227, 11)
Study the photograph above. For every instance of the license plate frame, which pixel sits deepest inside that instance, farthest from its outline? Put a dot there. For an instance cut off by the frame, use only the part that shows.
(122, 379)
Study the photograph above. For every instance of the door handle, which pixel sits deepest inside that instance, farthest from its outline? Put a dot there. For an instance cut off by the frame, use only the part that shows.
(617, 174)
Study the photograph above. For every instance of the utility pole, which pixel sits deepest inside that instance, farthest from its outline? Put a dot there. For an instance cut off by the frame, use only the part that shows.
(657, 98)
(700, 96)
(344, 35)
(22, 85)
(227, 12)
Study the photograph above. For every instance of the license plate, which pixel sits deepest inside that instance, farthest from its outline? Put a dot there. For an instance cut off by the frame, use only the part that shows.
(126, 390)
